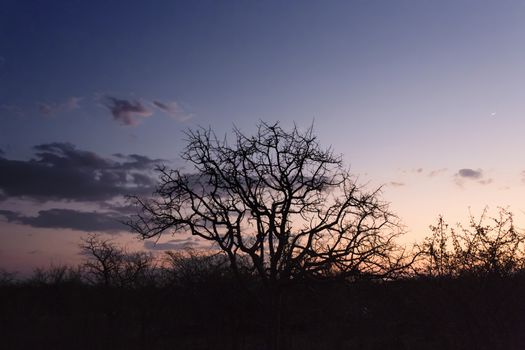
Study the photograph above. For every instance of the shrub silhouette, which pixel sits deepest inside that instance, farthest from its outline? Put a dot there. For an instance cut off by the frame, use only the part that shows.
(487, 246)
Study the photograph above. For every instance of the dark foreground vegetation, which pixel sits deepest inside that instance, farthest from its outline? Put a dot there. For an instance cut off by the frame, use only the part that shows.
(424, 313)
(466, 291)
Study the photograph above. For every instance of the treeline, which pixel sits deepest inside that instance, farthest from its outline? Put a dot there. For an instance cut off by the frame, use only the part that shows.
(464, 290)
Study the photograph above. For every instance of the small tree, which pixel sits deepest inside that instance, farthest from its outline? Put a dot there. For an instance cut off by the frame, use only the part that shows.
(110, 265)
(279, 200)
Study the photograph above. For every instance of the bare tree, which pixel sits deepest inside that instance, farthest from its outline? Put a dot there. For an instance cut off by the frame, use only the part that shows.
(110, 265)
(279, 199)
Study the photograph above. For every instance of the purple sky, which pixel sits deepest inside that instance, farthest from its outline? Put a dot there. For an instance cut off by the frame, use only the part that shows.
(424, 97)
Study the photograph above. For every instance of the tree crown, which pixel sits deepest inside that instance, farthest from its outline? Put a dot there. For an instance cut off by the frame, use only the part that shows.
(278, 198)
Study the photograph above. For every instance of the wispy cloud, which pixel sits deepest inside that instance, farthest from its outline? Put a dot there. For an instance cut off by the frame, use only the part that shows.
(11, 110)
(174, 244)
(51, 109)
(396, 184)
(412, 171)
(172, 109)
(486, 181)
(437, 172)
(126, 112)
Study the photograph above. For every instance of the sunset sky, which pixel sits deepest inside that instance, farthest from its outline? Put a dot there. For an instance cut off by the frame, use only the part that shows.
(426, 98)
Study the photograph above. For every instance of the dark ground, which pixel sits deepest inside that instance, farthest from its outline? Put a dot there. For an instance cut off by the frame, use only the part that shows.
(465, 313)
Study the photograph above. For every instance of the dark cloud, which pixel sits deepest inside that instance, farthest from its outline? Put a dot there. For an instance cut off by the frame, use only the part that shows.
(70, 219)
(470, 173)
(60, 171)
(9, 215)
(127, 112)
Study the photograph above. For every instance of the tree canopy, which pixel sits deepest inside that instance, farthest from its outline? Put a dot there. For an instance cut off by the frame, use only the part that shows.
(277, 204)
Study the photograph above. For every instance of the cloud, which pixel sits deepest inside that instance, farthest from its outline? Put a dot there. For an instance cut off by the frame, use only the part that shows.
(412, 171)
(11, 110)
(60, 171)
(436, 172)
(470, 173)
(9, 215)
(51, 109)
(125, 209)
(127, 112)
(169, 108)
(175, 244)
(136, 161)
(396, 184)
(70, 219)
(486, 181)
(172, 109)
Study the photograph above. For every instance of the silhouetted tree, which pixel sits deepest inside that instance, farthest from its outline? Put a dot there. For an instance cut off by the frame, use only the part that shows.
(280, 200)
(110, 265)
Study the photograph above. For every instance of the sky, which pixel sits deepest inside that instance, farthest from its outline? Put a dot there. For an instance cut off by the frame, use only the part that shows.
(424, 98)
